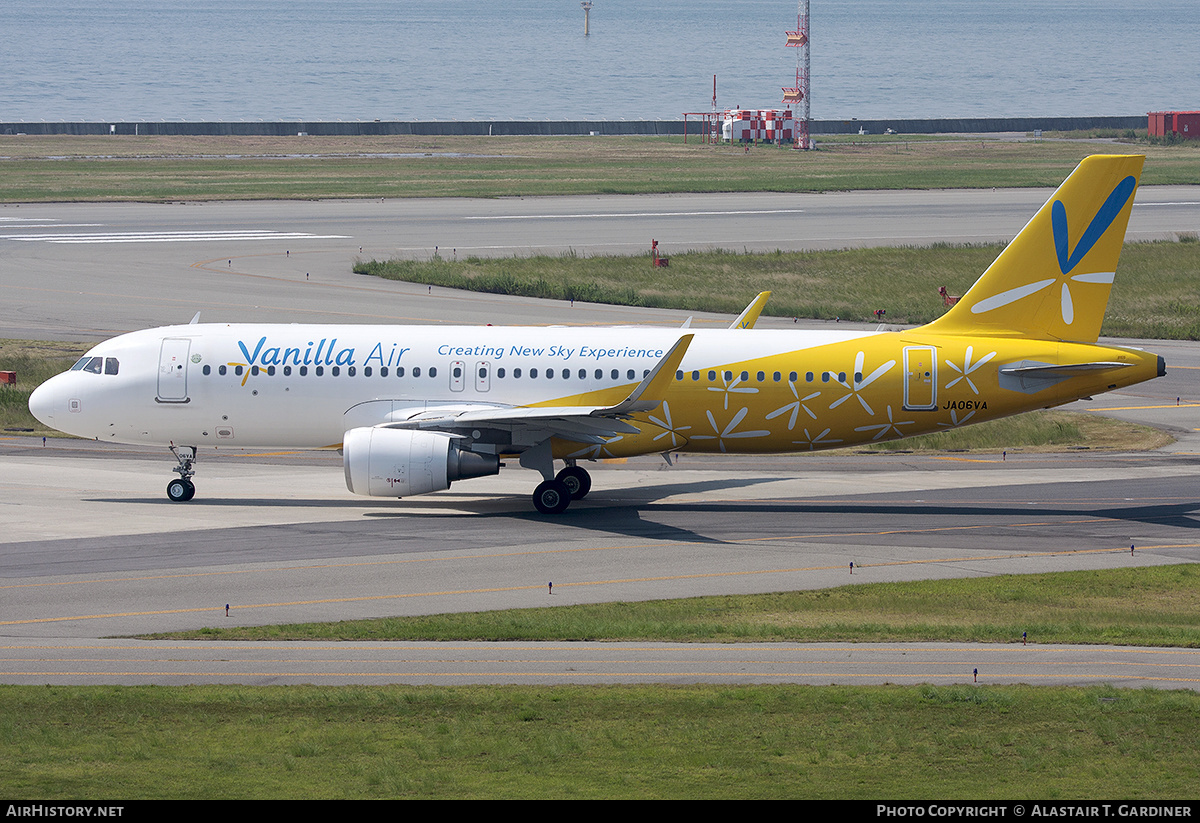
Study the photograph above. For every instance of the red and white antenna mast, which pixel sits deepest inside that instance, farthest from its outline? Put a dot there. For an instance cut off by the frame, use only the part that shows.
(800, 93)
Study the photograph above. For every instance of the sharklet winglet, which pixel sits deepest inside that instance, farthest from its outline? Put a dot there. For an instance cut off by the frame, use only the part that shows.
(648, 395)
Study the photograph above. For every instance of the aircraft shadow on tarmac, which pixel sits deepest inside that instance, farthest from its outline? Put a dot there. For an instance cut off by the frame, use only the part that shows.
(649, 514)
(641, 518)
(504, 521)
(1176, 515)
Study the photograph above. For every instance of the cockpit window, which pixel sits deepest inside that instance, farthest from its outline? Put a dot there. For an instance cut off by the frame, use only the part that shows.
(83, 361)
(111, 365)
(95, 365)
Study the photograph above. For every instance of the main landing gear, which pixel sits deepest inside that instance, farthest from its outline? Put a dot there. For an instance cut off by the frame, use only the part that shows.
(183, 489)
(553, 496)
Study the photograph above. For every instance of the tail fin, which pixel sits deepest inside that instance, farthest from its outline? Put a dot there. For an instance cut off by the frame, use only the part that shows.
(749, 315)
(1053, 280)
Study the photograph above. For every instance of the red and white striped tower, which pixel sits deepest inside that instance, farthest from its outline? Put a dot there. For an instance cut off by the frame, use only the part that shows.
(799, 94)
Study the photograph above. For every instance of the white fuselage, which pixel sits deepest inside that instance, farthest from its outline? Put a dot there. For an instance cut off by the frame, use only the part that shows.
(303, 386)
(299, 386)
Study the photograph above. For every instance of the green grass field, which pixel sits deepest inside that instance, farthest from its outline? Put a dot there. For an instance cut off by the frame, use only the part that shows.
(1155, 295)
(576, 742)
(1158, 606)
(963, 741)
(49, 169)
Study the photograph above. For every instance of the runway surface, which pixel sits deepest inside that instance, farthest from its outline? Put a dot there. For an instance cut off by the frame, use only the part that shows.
(92, 548)
(451, 664)
(91, 271)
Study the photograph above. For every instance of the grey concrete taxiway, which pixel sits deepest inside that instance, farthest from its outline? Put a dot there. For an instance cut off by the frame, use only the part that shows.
(90, 547)
(94, 270)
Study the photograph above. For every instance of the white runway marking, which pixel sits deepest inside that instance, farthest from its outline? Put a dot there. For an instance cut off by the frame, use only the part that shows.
(625, 214)
(167, 237)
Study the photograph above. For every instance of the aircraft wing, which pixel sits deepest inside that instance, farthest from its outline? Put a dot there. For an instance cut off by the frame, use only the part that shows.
(581, 424)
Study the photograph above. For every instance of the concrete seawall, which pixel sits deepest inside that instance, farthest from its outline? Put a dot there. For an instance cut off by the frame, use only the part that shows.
(562, 127)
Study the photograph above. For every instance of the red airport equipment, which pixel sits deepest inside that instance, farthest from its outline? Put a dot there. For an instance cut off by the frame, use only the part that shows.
(947, 298)
(655, 260)
(8, 378)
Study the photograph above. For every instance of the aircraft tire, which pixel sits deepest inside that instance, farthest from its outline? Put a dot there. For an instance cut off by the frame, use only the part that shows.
(577, 480)
(180, 491)
(552, 497)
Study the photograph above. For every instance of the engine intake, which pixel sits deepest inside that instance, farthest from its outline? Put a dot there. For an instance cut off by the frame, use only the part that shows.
(383, 462)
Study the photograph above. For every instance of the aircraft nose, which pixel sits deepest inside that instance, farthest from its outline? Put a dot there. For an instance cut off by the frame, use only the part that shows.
(46, 401)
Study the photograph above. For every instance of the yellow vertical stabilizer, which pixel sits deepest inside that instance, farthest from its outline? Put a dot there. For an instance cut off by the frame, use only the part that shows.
(1053, 280)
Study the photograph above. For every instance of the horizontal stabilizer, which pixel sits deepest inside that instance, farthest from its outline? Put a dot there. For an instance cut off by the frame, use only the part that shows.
(1066, 369)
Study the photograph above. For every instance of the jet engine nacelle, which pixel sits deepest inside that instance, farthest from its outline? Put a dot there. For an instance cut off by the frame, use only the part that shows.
(383, 462)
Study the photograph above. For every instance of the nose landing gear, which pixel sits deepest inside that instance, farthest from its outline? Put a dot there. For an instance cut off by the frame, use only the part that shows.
(183, 489)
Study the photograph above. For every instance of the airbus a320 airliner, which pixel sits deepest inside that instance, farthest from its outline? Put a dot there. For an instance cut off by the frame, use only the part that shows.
(415, 408)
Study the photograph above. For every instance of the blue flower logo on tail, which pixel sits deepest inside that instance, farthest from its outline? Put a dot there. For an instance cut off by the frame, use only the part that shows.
(1069, 258)
(1104, 218)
